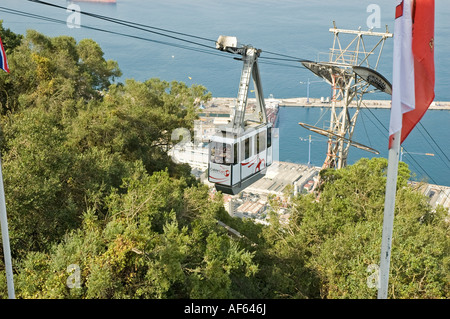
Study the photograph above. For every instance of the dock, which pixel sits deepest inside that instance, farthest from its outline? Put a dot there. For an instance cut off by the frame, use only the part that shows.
(220, 105)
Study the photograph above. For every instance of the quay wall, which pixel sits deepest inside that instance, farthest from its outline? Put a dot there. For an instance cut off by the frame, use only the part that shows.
(315, 102)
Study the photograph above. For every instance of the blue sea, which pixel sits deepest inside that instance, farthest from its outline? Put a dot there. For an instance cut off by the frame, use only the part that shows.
(298, 28)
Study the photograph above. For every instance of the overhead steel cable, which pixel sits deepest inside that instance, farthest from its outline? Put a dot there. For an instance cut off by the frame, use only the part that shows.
(53, 20)
(381, 123)
(385, 133)
(420, 123)
(434, 141)
(281, 59)
(212, 52)
(286, 56)
(129, 24)
(148, 28)
(135, 25)
(281, 64)
(29, 15)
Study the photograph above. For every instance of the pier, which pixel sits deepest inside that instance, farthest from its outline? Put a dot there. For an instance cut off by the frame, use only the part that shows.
(222, 104)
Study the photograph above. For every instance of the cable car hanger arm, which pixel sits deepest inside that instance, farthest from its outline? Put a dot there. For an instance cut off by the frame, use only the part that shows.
(249, 70)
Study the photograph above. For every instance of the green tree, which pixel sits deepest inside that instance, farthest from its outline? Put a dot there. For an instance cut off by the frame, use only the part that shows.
(141, 249)
(10, 39)
(50, 71)
(69, 136)
(36, 167)
(137, 119)
(336, 237)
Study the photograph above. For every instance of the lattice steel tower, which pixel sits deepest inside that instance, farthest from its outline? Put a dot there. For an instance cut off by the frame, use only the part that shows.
(351, 72)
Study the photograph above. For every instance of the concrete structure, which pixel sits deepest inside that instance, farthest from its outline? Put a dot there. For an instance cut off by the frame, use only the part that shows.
(437, 194)
(221, 105)
(372, 104)
(194, 155)
(252, 207)
(281, 174)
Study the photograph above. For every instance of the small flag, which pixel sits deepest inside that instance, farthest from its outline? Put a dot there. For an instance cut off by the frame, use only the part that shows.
(3, 60)
(413, 75)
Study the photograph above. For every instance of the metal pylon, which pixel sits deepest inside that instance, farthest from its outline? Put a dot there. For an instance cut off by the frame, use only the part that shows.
(347, 88)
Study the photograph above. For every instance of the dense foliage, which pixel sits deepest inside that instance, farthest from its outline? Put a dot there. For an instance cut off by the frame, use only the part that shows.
(92, 194)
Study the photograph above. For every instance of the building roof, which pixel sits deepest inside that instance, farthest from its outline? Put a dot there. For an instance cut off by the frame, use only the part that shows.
(281, 174)
(251, 207)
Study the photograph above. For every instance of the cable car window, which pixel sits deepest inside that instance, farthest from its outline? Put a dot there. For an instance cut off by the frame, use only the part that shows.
(269, 137)
(228, 154)
(246, 149)
(212, 152)
(235, 154)
(261, 141)
(222, 153)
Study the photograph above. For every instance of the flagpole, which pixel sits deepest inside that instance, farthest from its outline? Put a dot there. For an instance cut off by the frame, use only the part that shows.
(388, 219)
(5, 239)
(3, 220)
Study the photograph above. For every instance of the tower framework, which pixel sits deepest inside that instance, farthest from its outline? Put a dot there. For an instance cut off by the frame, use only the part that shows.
(351, 72)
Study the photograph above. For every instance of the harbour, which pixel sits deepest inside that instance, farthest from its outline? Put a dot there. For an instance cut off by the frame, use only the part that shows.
(222, 103)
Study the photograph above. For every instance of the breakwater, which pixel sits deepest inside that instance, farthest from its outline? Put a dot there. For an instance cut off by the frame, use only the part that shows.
(222, 104)
(375, 104)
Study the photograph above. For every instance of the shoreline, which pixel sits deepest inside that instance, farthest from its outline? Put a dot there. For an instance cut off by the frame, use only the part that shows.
(315, 102)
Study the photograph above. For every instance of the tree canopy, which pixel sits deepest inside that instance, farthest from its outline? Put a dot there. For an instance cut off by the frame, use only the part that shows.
(331, 244)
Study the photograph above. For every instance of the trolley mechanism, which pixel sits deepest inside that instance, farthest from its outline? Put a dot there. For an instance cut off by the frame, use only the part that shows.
(241, 151)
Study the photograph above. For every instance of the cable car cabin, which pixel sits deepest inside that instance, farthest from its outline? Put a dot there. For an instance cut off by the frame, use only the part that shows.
(238, 160)
(241, 152)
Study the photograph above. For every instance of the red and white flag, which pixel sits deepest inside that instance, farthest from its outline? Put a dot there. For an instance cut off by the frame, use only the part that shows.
(413, 76)
(3, 60)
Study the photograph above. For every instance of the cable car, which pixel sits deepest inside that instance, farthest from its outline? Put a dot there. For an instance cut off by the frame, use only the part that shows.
(240, 152)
